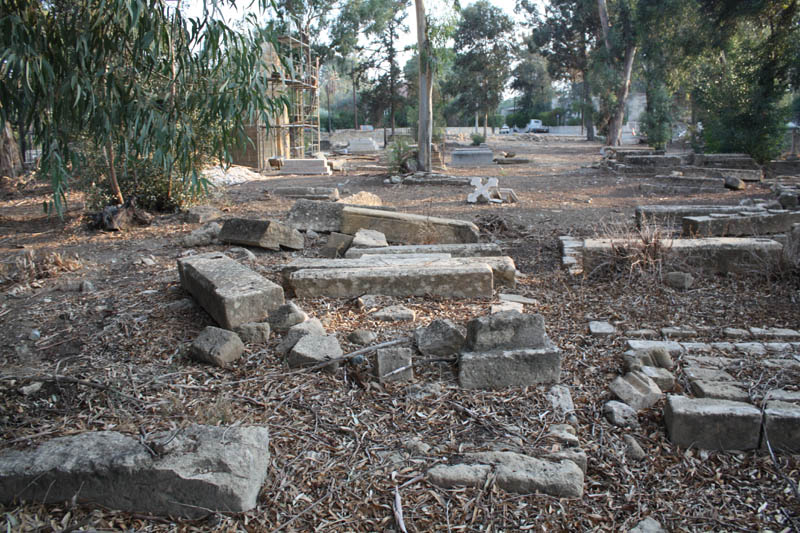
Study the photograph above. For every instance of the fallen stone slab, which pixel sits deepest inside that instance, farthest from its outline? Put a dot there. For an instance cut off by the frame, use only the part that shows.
(367, 238)
(361, 145)
(514, 473)
(309, 193)
(454, 250)
(197, 470)
(267, 234)
(516, 298)
(311, 326)
(450, 281)
(408, 228)
(441, 338)
(503, 268)
(471, 157)
(336, 245)
(315, 349)
(505, 331)
(230, 292)
(636, 389)
(560, 399)
(506, 306)
(394, 364)
(775, 333)
(216, 346)
(690, 182)
(315, 215)
(734, 225)
(201, 214)
(394, 313)
(363, 199)
(725, 161)
(648, 525)
(782, 426)
(712, 424)
(286, 316)
(660, 376)
(713, 254)
(719, 390)
(601, 328)
(676, 190)
(308, 167)
(510, 368)
(673, 214)
(653, 160)
(646, 345)
(707, 374)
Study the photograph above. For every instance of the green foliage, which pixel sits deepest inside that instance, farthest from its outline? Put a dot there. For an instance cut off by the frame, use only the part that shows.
(657, 119)
(533, 83)
(124, 73)
(477, 139)
(400, 152)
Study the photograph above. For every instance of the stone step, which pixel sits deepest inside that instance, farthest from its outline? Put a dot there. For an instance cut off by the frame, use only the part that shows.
(734, 225)
(503, 268)
(712, 424)
(229, 291)
(407, 228)
(713, 254)
(452, 281)
(310, 167)
(454, 250)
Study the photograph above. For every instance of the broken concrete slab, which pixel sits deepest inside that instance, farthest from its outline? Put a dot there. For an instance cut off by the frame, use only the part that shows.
(336, 245)
(315, 349)
(525, 475)
(394, 364)
(636, 389)
(601, 328)
(307, 167)
(216, 346)
(311, 326)
(734, 225)
(197, 470)
(394, 313)
(441, 338)
(712, 424)
(714, 254)
(673, 214)
(408, 228)
(719, 390)
(471, 157)
(309, 193)
(500, 369)
(267, 234)
(446, 281)
(367, 238)
(230, 292)
(320, 216)
(453, 250)
(782, 426)
(505, 331)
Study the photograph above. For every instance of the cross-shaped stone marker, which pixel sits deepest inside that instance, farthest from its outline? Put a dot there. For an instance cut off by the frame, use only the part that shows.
(483, 192)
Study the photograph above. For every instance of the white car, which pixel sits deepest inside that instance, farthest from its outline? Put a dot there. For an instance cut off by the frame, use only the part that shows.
(505, 130)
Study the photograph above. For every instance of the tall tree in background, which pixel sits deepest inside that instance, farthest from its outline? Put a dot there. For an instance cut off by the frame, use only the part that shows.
(532, 81)
(483, 55)
(425, 88)
(566, 37)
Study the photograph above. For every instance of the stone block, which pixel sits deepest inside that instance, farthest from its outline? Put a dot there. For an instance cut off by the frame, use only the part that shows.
(312, 326)
(286, 316)
(394, 313)
(441, 338)
(362, 337)
(636, 389)
(367, 238)
(523, 474)
(230, 292)
(254, 332)
(678, 332)
(507, 306)
(336, 245)
(315, 215)
(200, 214)
(216, 346)
(661, 376)
(653, 160)
(672, 347)
(736, 333)
(453, 250)
(408, 228)
(199, 469)
(506, 331)
(712, 424)
(471, 157)
(468, 281)
(459, 475)
(362, 145)
(679, 280)
(314, 349)
(784, 395)
(648, 525)
(363, 199)
(673, 214)
(737, 225)
(510, 368)
(267, 234)
(309, 193)
(560, 399)
(720, 390)
(707, 374)
(713, 254)
(620, 414)
(599, 328)
(308, 167)
(394, 364)
(516, 298)
(775, 333)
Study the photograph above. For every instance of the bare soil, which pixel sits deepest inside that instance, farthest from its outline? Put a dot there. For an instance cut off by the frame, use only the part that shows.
(340, 444)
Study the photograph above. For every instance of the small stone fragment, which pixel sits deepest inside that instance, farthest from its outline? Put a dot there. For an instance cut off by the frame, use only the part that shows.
(286, 316)
(367, 238)
(441, 338)
(633, 449)
(314, 349)
(362, 337)
(679, 280)
(202, 236)
(662, 358)
(620, 414)
(662, 377)
(598, 328)
(337, 245)
(561, 400)
(506, 306)
(312, 326)
(254, 332)
(648, 525)
(394, 313)
(216, 346)
(636, 389)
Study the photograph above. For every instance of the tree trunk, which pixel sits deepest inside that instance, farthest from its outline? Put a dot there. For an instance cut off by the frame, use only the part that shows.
(355, 104)
(10, 160)
(485, 124)
(425, 124)
(586, 109)
(112, 174)
(615, 127)
(604, 24)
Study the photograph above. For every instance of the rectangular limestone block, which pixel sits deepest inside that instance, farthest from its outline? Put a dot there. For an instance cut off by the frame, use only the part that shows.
(454, 250)
(713, 254)
(408, 228)
(311, 167)
(673, 214)
(229, 291)
(782, 425)
(510, 368)
(464, 281)
(653, 160)
(503, 268)
(741, 224)
(309, 193)
(508, 330)
(712, 424)
(471, 157)
(267, 234)
(320, 215)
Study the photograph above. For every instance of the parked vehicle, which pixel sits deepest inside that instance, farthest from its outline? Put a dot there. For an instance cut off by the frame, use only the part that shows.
(505, 129)
(536, 126)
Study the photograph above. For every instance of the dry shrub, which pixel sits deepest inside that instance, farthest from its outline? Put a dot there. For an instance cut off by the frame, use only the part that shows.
(642, 250)
(26, 266)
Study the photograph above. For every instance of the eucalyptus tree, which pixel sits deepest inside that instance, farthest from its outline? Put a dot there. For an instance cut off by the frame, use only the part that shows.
(102, 71)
